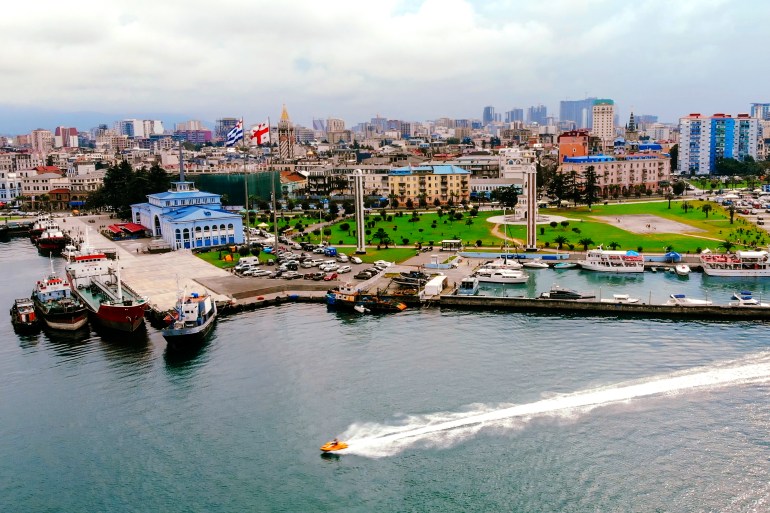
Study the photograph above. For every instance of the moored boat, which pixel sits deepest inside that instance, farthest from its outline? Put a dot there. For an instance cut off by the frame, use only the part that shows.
(608, 261)
(740, 263)
(57, 306)
(469, 286)
(565, 265)
(682, 269)
(42, 222)
(23, 316)
(95, 280)
(194, 317)
(502, 276)
(559, 292)
(682, 300)
(52, 240)
(536, 263)
(745, 298)
(621, 299)
(348, 297)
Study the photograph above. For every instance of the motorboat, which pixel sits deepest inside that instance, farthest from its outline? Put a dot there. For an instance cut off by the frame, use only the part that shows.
(682, 300)
(746, 299)
(564, 265)
(537, 263)
(682, 269)
(193, 319)
(503, 276)
(624, 299)
(469, 286)
(559, 292)
(334, 445)
(361, 309)
(503, 263)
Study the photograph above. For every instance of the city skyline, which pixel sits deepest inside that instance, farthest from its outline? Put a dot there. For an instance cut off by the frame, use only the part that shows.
(415, 61)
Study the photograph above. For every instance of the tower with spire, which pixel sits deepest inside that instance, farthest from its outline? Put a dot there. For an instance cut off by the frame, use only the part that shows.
(286, 136)
(632, 134)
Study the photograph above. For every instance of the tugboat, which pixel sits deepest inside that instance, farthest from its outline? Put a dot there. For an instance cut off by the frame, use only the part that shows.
(193, 320)
(56, 305)
(348, 297)
(23, 315)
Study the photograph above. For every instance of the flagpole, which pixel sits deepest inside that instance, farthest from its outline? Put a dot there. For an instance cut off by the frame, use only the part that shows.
(246, 190)
(272, 182)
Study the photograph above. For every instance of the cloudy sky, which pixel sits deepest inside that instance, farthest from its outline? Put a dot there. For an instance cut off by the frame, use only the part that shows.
(79, 61)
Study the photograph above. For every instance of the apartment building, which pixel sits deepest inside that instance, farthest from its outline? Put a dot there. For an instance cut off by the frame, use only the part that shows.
(703, 140)
(622, 175)
(445, 183)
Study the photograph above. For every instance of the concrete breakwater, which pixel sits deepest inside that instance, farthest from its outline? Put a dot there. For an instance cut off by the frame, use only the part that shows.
(588, 307)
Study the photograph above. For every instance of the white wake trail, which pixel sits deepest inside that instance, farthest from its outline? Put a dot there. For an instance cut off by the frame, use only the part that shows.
(445, 429)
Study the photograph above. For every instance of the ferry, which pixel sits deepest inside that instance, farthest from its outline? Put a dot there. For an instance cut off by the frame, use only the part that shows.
(193, 319)
(608, 261)
(741, 263)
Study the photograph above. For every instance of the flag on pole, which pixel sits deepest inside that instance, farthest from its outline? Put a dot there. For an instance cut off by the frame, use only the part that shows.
(261, 134)
(236, 134)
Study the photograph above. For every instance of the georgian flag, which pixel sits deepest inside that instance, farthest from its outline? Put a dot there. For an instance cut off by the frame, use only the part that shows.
(235, 135)
(261, 134)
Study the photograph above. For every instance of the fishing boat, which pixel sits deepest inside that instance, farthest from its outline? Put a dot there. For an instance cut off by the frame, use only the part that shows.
(559, 292)
(740, 263)
(745, 298)
(347, 297)
(537, 263)
(608, 261)
(95, 280)
(501, 276)
(192, 320)
(682, 300)
(564, 265)
(56, 305)
(682, 269)
(23, 316)
(469, 286)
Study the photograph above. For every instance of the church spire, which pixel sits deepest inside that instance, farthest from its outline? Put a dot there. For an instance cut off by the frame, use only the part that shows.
(284, 114)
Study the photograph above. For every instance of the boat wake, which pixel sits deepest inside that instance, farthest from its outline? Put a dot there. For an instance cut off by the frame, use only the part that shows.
(444, 429)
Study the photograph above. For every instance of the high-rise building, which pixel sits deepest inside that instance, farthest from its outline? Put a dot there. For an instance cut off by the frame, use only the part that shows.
(319, 124)
(130, 127)
(537, 114)
(223, 126)
(488, 116)
(154, 127)
(603, 123)
(580, 112)
(335, 125)
(65, 137)
(514, 115)
(41, 140)
(760, 110)
(705, 140)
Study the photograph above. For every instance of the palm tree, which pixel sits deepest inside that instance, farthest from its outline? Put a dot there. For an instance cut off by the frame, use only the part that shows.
(669, 197)
(731, 210)
(613, 245)
(706, 209)
(560, 240)
(585, 242)
(726, 245)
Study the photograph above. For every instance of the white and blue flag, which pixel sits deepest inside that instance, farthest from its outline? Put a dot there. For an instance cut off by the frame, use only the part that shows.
(235, 135)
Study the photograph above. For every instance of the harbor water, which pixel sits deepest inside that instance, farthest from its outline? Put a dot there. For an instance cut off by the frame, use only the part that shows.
(443, 410)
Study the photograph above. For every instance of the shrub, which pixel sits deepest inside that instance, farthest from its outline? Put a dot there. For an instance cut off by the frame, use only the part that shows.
(553, 224)
(340, 242)
(368, 232)
(564, 224)
(317, 231)
(639, 249)
(542, 230)
(421, 229)
(327, 231)
(478, 243)
(571, 247)
(405, 241)
(547, 244)
(576, 230)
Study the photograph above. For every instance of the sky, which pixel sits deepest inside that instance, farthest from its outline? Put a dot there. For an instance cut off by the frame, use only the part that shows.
(83, 62)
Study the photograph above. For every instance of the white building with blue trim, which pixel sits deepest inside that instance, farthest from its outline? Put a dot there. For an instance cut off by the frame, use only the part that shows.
(187, 218)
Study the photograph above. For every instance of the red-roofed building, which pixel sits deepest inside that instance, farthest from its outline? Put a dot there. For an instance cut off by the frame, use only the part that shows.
(291, 182)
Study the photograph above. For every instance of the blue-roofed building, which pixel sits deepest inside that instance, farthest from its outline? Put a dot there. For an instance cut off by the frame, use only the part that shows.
(433, 184)
(187, 218)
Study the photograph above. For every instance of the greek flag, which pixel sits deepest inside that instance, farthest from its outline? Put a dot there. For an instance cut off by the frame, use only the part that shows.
(235, 135)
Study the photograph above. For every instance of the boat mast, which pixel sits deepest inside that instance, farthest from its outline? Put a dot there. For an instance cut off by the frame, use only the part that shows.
(120, 285)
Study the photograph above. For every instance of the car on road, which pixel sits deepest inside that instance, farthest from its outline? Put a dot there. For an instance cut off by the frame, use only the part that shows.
(331, 276)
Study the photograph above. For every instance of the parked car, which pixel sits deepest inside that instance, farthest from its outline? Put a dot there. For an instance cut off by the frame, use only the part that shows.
(291, 275)
(331, 276)
(382, 263)
(308, 276)
(319, 251)
(307, 264)
(356, 260)
(363, 275)
(318, 276)
(344, 269)
(329, 267)
(259, 273)
(342, 258)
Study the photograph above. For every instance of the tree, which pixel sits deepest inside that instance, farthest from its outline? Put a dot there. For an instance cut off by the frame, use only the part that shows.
(679, 187)
(507, 196)
(731, 211)
(436, 202)
(686, 206)
(674, 153)
(409, 203)
(345, 227)
(381, 236)
(590, 189)
(726, 245)
(585, 242)
(706, 209)
(560, 240)
(613, 245)
(669, 196)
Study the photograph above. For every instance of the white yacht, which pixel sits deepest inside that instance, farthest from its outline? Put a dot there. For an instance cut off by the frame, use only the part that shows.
(612, 261)
(682, 300)
(502, 276)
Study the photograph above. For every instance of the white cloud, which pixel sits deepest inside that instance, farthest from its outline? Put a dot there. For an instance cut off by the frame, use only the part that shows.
(353, 59)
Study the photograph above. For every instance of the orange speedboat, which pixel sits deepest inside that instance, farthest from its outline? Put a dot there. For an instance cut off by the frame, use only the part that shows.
(334, 445)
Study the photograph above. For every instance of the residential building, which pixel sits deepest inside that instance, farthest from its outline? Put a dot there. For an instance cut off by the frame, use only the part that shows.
(603, 123)
(65, 137)
(445, 183)
(760, 111)
(41, 140)
(573, 143)
(514, 115)
(223, 126)
(704, 140)
(152, 127)
(130, 127)
(82, 185)
(537, 114)
(335, 125)
(194, 136)
(292, 182)
(579, 112)
(488, 115)
(622, 175)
